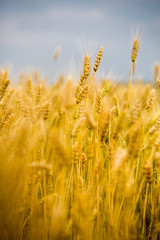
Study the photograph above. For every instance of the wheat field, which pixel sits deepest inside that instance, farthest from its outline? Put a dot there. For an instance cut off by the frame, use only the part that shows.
(80, 160)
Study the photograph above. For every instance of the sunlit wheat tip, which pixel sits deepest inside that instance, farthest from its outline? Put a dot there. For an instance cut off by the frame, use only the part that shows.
(57, 53)
(156, 71)
(98, 59)
(86, 67)
(135, 50)
(150, 100)
(99, 101)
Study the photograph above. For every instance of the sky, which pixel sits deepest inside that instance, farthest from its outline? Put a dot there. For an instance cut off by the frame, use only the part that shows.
(31, 31)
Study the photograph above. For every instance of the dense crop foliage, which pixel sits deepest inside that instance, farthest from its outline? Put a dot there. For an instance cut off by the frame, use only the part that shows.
(79, 160)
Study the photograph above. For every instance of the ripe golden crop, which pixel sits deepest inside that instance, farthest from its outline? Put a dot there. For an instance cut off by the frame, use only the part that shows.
(79, 162)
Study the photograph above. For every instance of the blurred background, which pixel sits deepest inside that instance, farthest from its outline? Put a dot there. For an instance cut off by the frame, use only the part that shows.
(32, 30)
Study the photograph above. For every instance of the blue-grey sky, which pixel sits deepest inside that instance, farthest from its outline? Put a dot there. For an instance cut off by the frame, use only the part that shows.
(31, 30)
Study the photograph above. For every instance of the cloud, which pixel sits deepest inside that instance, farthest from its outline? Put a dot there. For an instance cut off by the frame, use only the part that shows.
(80, 15)
(53, 24)
(40, 29)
